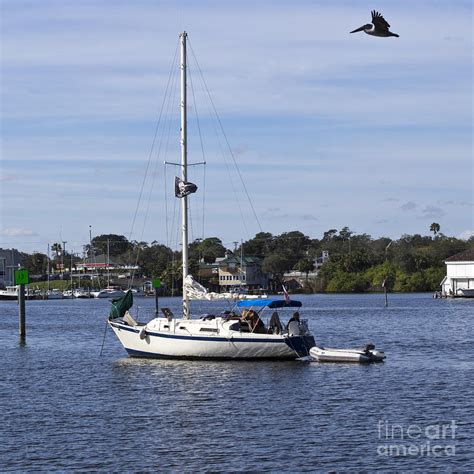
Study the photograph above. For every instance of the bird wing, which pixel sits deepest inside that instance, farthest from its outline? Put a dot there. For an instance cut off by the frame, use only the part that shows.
(379, 21)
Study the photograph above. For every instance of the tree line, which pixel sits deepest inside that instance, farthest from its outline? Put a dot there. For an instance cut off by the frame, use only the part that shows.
(357, 262)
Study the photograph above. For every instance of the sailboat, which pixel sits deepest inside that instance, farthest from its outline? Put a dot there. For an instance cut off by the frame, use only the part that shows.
(240, 333)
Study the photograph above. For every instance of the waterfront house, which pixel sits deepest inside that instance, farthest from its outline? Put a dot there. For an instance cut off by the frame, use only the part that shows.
(459, 274)
(241, 272)
(10, 260)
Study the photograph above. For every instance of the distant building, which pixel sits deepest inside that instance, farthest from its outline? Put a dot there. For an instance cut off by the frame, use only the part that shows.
(319, 261)
(245, 272)
(102, 262)
(459, 274)
(10, 260)
(295, 279)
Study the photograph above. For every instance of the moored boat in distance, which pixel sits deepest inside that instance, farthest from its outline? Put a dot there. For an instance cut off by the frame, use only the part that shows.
(109, 292)
(11, 293)
(81, 293)
(54, 294)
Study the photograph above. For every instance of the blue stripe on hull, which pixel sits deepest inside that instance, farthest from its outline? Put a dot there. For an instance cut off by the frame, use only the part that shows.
(201, 338)
(151, 355)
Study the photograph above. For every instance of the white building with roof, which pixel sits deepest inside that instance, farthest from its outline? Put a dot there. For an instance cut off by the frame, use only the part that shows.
(459, 279)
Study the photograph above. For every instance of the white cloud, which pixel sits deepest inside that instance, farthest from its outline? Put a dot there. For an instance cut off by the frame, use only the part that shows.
(408, 206)
(432, 212)
(18, 232)
(466, 234)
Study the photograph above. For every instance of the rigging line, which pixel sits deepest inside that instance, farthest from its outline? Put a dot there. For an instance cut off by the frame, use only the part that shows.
(172, 77)
(171, 100)
(190, 208)
(153, 145)
(224, 157)
(225, 136)
(103, 339)
(229, 175)
(165, 187)
(150, 194)
(225, 160)
(202, 145)
(203, 197)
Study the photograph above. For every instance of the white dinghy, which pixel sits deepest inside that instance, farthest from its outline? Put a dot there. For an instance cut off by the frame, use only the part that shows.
(366, 355)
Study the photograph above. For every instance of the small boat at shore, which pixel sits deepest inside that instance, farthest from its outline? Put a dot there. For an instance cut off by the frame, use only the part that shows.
(366, 355)
(11, 293)
(465, 292)
(54, 294)
(81, 293)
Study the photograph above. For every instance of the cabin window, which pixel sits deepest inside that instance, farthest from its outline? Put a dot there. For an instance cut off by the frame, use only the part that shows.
(208, 330)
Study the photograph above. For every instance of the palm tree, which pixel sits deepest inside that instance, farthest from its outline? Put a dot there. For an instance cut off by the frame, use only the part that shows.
(435, 227)
(56, 248)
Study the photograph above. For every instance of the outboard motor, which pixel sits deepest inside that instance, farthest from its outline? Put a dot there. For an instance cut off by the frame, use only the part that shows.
(294, 328)
(368, 347)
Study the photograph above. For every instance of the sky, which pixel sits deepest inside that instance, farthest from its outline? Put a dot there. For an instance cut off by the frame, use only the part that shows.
(328, 129)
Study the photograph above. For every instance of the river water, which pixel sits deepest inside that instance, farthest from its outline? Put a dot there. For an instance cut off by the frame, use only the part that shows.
(66, 407)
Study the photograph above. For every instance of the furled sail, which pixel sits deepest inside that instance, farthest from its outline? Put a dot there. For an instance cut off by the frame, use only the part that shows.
(121, 305)
(183, 188)
(196, 291)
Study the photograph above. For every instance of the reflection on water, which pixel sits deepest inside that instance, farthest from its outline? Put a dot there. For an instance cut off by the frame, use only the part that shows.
(65, 407)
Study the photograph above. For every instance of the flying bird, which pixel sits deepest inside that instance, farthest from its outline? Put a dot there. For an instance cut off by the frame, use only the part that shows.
(378, 27)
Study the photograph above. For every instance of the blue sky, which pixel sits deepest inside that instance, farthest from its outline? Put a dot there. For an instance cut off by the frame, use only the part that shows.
(329, 129)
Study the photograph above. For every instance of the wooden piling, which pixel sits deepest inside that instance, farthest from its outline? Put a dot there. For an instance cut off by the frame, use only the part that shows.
(22, 318)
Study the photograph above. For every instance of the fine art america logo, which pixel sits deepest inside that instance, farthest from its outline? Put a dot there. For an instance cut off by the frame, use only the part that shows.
(434, 440)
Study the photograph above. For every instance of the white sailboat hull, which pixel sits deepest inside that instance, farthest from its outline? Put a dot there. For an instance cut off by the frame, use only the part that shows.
(153, 340)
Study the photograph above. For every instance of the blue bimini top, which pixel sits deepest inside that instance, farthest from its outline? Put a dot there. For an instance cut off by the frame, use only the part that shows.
(261, 303)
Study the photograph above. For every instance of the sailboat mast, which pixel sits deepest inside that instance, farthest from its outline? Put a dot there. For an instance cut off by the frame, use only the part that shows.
(184, 171)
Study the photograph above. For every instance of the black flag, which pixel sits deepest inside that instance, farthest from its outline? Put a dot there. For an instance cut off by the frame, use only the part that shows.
(183, 188)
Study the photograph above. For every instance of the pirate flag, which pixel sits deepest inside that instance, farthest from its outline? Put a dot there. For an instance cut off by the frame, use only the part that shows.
(183, 188)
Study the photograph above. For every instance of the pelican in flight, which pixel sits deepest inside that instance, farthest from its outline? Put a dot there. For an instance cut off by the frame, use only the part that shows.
(378, 27)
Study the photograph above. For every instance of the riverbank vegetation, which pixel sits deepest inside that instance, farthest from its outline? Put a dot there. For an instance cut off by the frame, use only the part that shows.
(352, 263)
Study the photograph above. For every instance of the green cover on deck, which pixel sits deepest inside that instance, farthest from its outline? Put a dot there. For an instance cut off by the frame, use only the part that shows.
(121, 305)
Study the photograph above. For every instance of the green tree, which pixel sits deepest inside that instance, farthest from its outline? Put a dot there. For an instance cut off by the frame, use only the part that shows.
(305, 265)
(292, 245)
(36, 263)
(277, 265)
(56, 248)
(435, 228)
(153, 260)
(117, 244)
(210, 249)
(260, 246)
(329, 234)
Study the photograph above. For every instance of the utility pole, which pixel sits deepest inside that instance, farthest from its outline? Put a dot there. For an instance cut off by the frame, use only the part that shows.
(62, 256)
(384, 283)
